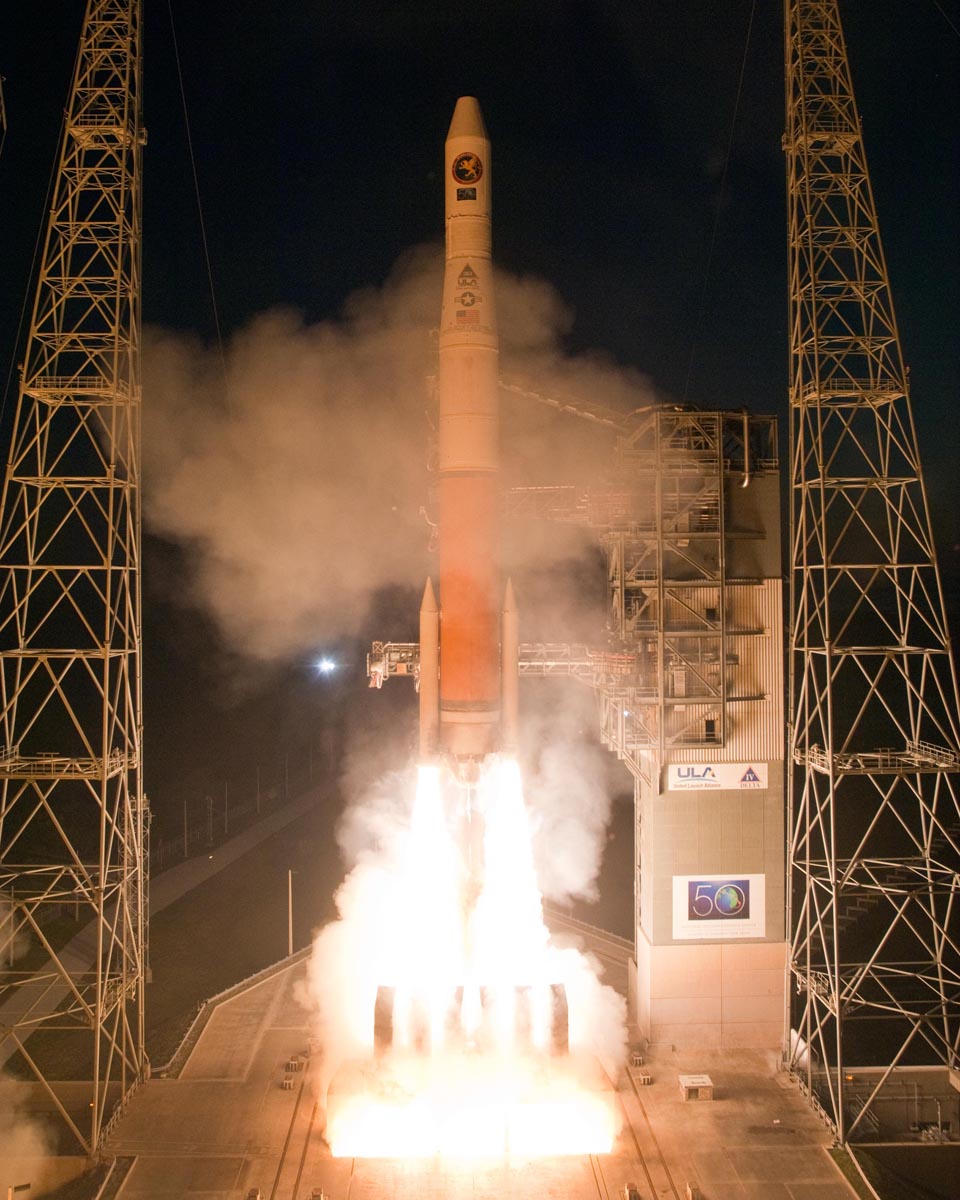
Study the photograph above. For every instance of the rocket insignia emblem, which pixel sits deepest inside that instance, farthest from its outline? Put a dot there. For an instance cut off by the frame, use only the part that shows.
(467, 168)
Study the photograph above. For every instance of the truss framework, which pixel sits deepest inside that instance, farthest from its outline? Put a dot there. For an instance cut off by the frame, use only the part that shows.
(664, 529)
(667, 677)
(874, 818)
(666, 580)
(73, 822)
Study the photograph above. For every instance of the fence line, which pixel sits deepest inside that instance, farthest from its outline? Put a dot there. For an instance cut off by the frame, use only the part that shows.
(211, 815)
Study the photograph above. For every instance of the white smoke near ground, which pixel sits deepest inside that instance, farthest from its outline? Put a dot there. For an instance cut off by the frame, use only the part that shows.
(414, 917)
(567, 786)
(23, 1139)
(299, 481)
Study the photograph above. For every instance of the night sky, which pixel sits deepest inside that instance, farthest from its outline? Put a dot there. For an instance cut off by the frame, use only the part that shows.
(318, 132)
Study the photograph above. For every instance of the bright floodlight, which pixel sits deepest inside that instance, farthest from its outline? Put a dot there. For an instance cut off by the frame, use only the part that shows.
(326, 665)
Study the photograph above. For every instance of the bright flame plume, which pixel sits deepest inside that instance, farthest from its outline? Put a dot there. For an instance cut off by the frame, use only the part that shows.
(453, 926)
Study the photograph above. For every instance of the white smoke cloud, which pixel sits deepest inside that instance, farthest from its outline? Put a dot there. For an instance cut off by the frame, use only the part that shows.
(23, 1139)
(298, 482)
(569, 783)
(401, 906)
(295, 489)
(567, 789)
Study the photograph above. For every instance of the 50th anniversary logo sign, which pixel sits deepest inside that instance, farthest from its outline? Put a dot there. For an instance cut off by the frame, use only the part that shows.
(706, 907)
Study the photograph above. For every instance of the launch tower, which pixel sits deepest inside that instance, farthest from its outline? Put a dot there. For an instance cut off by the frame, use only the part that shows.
(694, 588)
(689, 690)
(73, 823)
(874, 820)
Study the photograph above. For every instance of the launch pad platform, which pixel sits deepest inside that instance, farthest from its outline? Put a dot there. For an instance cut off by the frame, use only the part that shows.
(242, 1113)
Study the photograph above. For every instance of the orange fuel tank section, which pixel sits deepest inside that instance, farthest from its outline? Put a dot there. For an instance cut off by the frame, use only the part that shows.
(469, 452)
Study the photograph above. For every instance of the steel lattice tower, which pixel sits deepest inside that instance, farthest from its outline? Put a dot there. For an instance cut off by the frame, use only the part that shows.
(73, 822)
(874, 819)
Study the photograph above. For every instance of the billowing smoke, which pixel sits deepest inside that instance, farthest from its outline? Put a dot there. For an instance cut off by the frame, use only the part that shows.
(415, 918)
(23, 1139)
(297, 481)
(301, 484)
(567, 789)
(300, 480)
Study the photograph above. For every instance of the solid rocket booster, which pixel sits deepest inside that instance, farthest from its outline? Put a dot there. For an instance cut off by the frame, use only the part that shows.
(469, 683)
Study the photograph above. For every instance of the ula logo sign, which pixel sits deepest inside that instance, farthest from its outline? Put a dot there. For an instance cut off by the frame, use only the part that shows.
(715, 777)
(696, 773)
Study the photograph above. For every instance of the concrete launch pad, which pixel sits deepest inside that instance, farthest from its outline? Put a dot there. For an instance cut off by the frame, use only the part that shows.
(237, 1118)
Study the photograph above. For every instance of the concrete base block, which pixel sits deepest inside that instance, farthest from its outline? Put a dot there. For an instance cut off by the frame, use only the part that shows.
(712, 996)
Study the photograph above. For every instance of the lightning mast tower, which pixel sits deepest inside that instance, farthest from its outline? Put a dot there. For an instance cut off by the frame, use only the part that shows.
(72, 814)
(875, 825)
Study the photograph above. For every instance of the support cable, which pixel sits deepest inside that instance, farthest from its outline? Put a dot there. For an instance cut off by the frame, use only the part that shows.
(28, 293)
(698, 320)
(196, 188)
(939, 7)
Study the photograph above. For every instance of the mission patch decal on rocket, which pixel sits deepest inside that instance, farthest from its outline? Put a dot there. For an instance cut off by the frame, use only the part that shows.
(467, 168)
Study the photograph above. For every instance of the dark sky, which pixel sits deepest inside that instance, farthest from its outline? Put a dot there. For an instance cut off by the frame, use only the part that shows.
(318, 130)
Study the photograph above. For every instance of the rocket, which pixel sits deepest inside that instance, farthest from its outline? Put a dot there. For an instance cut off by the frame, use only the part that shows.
(469, 640)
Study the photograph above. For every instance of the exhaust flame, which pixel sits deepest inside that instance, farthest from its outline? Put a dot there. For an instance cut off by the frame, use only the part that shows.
(447, 944)
(469, 1106)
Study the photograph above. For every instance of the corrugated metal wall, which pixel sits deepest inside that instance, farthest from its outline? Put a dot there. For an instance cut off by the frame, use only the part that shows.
(755, 727)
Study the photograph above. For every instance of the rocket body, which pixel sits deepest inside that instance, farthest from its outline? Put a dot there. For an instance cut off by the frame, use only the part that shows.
(469, 691)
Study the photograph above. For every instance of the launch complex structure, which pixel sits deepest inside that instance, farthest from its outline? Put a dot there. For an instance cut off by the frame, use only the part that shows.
(844, 956)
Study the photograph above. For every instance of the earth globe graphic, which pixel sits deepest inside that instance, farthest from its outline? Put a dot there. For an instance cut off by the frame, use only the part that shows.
(729, 900)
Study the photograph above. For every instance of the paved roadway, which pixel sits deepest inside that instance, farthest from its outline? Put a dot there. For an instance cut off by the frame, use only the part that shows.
(40, 996)
(225, 1125)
